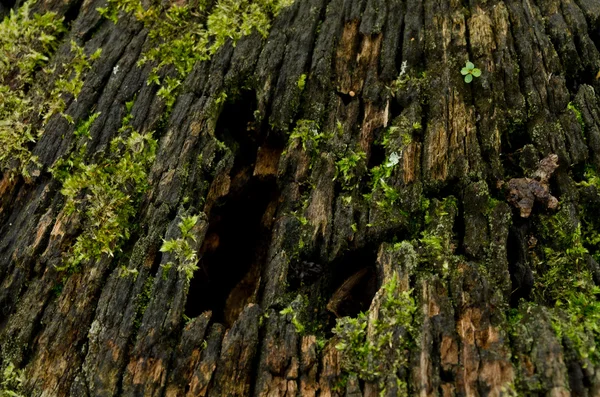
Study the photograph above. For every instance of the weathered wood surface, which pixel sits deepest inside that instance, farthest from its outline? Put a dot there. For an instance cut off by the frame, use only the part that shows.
(99, 333)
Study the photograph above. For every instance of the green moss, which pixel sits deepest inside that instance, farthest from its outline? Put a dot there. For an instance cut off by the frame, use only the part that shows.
(435, 243)
(302, 82)
(573, 107)
(11, 384)
(380, 353)
(142, 301)
(589, 216)
(184, 35)
(563, 281)
(379, 174)
(577, 317)
(432, 245)
(561, 264)
(26, 43)
(106, 192)
(70, 81)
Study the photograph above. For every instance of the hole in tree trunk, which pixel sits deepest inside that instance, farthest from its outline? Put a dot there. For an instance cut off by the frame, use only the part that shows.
(232, 254)
(240, 223)
(353, 282)
(521, 275)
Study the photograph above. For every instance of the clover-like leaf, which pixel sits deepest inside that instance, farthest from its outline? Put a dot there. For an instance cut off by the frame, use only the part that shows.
(464, 71)
(476, 72)
(468, 78)
(470, 65)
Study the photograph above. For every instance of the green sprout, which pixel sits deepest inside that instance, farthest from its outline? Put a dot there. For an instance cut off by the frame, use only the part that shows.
(469, 71)
(183, 248)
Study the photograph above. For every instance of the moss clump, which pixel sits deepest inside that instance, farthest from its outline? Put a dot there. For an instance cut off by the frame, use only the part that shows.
(184, 35)
(142, 301)
(561, 263)
(563, 280)
(26, 43)
(376, 350)
(11, 384)
(301, 82)
(379, 182)
(590, 224)
(105, 192)
(69, 81)
(384, 181)
(577, 317)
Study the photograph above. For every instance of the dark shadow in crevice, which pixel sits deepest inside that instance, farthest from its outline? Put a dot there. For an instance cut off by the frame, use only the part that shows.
(511, 144)
(239, 231)
(594, 34)
(346, 98)
(377, 155)
(5, 7)
(459, 227)
(352, 282)
(395, 109)
(73, 12)
(517, 249)
(233, 250)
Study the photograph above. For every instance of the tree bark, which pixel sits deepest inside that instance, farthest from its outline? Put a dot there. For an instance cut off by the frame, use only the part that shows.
(293, 236)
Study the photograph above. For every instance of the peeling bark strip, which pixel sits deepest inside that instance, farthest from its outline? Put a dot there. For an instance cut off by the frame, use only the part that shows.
(365, 222)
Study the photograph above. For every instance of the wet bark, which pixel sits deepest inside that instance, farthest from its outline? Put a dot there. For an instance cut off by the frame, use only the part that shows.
(278, 222)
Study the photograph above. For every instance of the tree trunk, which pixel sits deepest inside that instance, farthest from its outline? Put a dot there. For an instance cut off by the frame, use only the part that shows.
(340, 165)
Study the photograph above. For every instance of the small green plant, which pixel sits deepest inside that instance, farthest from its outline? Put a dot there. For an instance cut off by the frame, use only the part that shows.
(432, 245)
(296, 310)
(346, 169)
(182, 249)
(12, 382)
(379, 175)
(470, 71)
(309, 134)
(292, 313)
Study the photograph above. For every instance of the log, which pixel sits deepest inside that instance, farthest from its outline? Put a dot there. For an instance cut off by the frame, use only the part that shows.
(300, 198)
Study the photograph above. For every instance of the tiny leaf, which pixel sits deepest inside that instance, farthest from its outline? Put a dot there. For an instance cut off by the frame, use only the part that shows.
(468, 78)
(470, 65)
(476, 72)
(464, 71)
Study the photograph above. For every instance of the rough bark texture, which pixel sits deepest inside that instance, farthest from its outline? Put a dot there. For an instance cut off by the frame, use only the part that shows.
(281, 227)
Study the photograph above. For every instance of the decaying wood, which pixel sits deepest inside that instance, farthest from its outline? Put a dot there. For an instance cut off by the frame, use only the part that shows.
(270, 206)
